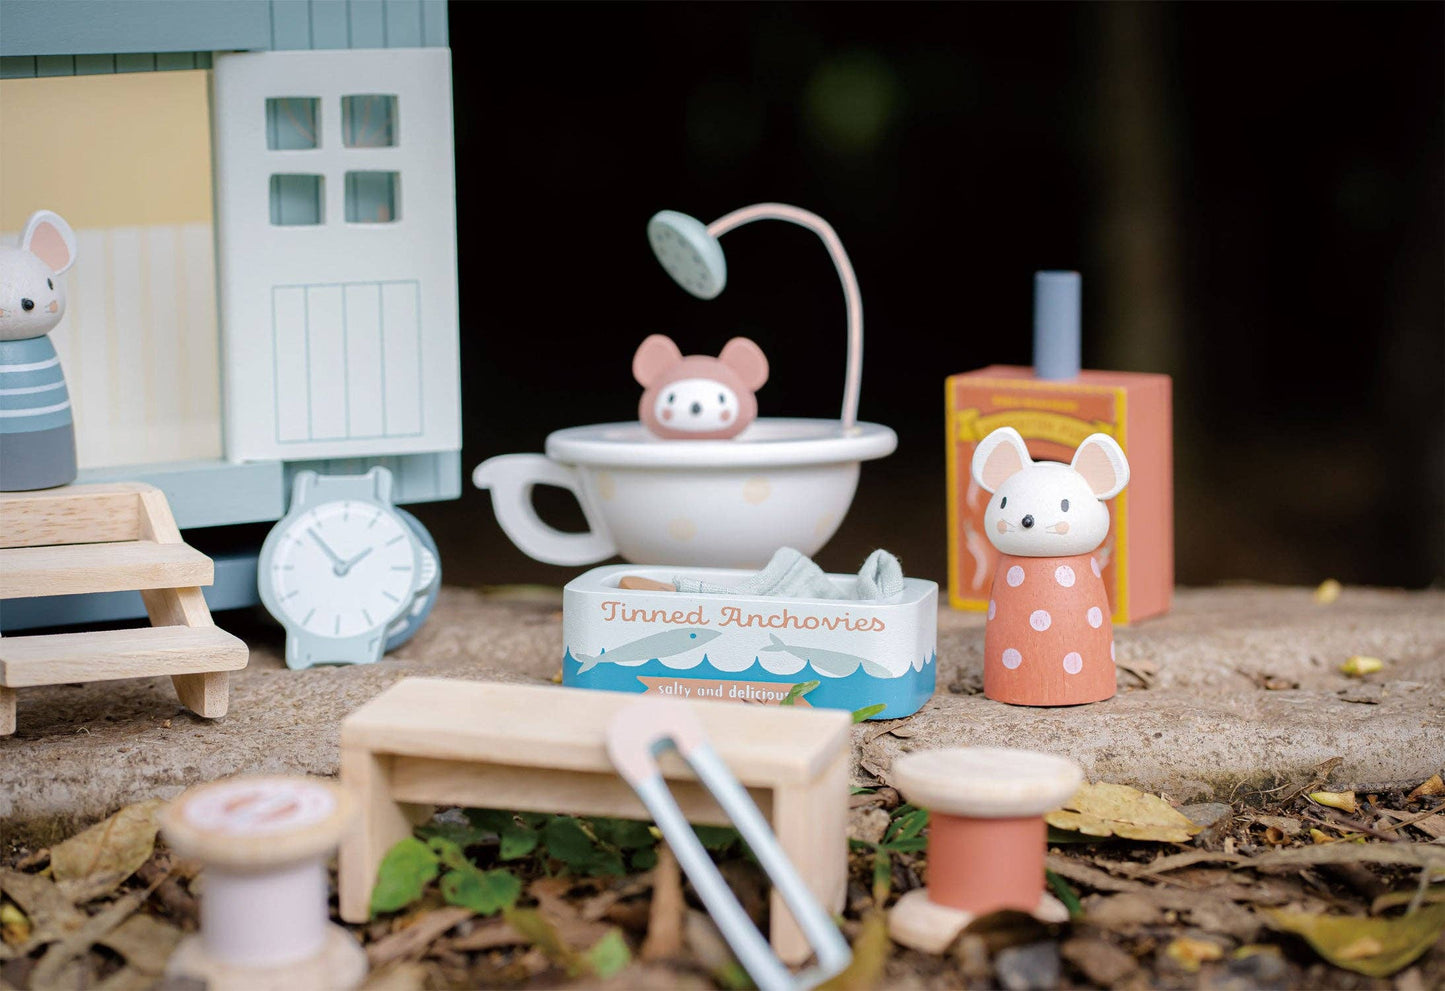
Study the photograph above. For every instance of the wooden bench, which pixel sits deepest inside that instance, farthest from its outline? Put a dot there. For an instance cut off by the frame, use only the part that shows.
(432, 741)
(110, 538)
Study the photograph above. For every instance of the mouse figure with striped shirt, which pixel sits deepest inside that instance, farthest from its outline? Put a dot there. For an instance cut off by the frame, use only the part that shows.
(1049, 640)
(37, 435)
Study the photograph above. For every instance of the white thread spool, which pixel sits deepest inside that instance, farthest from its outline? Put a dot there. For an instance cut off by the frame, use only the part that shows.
(264, 842)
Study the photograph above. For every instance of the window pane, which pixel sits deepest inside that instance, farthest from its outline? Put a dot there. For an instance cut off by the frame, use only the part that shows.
(373, 197)
(292, 123)
(368, 120)
(296, 200)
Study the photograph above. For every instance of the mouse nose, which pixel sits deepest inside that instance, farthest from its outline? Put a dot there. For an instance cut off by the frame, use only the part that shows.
(1027, 522)
(695, 408)
(27, 305)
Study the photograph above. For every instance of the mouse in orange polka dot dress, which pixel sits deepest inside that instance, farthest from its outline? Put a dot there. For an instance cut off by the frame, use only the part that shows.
(1049, 640)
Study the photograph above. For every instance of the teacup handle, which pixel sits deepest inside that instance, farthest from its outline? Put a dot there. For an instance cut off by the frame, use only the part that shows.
(511, 478)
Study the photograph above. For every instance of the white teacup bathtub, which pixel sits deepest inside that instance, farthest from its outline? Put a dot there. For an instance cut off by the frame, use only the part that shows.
(729, 503)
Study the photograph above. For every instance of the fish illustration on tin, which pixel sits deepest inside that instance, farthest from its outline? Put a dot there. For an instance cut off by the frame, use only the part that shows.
(829, 662)
(669, 643)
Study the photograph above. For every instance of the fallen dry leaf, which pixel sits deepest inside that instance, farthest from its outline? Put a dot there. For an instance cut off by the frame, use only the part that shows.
(1106, 809)
(51, 914)
(668, 912)
(1101, 961)
(15, 925)
(1191, 953)
(1342, 800)
(1359, 665)
(415, 938)
(96, 861)
(1432, 785)
(1327, 591)
(1373, 947)
(145, 941)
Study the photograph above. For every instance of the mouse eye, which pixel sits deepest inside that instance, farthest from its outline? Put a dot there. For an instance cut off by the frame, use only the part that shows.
(671, 396)
(49, 284)
(1003, 502)
(1064, 505)
(721, 398)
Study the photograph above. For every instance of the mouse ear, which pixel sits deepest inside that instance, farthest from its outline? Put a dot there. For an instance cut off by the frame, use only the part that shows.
(653, 358)
(998, 456)
(1101, 461)
(48, 237)
(747, 360)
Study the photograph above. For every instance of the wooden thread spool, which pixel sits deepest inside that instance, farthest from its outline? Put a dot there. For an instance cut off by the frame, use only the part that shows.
(986, 838)
(264, 843)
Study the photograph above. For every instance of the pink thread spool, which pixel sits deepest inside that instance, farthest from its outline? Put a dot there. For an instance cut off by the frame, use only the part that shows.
(986, 838)
(264, 843)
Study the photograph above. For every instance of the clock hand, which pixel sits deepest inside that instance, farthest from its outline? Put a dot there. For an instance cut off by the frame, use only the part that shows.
(335, 558)
(344, 567)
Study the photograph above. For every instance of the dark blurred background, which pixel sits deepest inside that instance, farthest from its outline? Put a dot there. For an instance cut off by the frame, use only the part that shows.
(1252, 193)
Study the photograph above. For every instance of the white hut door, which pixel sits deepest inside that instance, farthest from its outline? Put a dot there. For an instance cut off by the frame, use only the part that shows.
(336, 246)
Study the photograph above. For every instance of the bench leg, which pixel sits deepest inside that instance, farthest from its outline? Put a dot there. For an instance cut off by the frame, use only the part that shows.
(207, 694)
(7, 711)
(381, 823)
(812, 827)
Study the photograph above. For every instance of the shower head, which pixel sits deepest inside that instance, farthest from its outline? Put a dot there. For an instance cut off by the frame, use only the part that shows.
(690, 254)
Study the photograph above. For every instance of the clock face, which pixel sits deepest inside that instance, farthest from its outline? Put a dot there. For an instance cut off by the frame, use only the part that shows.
(343, 568)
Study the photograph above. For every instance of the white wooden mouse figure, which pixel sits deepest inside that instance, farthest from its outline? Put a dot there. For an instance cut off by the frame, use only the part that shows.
(1049, 640)
(37, 435)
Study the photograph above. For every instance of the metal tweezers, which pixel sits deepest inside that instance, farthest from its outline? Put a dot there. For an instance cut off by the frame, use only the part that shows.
(635, 738)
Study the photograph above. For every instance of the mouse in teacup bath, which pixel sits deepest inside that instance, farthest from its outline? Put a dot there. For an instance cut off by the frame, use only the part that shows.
(1049, 640)
(37, 435)
(698, 397)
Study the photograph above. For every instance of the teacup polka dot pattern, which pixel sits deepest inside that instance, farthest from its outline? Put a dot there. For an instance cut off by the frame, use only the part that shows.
(1048, 640)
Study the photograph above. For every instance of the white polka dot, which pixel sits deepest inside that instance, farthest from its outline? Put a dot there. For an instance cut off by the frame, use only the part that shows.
(1040, 619)
(992, 608)
(1095, 616)
(1015, 576)
(1073, 663)
(1094, 563)
(1012, 658)
(1064, 575)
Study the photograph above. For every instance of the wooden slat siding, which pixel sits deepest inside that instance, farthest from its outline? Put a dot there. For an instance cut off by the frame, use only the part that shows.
(48, 27)
(330, 27)
(17, 66)
(368, 23)
(434, 23)
(55, 65)
(290, 25)
(403, 24)
(94, 65)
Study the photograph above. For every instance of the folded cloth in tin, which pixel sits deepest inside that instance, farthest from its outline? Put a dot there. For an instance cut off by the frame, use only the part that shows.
(793, 574)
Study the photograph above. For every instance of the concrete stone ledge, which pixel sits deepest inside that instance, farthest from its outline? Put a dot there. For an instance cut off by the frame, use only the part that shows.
(1206, 726)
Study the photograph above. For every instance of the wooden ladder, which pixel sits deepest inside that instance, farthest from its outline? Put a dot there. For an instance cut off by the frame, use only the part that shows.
(111, 538)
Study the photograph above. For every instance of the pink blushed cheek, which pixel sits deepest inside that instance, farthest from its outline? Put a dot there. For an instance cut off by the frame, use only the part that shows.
(667, 414)
(725, 415)
(1061, 527)
(54, 306)
(1001, 526)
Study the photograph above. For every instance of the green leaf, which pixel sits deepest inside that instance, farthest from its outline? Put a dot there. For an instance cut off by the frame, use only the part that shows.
(1375, 947)
(882, 876)
(644, 859)
(534, 819)
(492, 820)
(484, 893)
(448, 853)
(906, 826)
(858, 790)
(543, 935)
(609, 954)
(403, 875)
(567, 841)
(716, 838)
(463, 834)
(911, 845)
(628, 834)
(517, 841)
(868, 711)
(1066, 894)
(798, 691)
